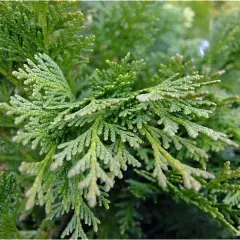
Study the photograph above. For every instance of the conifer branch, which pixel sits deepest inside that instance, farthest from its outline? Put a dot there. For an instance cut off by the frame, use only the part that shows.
(153, 119)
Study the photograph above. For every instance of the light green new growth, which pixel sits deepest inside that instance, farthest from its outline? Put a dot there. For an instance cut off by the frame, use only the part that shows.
(89, 139)
(111, 126)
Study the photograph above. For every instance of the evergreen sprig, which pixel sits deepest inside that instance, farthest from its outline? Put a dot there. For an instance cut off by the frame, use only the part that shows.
(160, 123)
(106, 118)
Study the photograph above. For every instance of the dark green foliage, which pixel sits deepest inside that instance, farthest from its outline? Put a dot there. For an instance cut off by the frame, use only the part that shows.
(8, 207)
(162, 124)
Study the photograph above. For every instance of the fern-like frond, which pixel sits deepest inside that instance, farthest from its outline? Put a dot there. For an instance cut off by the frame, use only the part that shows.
(95, 139)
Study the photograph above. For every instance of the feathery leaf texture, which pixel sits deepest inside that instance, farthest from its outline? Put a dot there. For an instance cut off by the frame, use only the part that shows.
(163, 130)
(104, 145)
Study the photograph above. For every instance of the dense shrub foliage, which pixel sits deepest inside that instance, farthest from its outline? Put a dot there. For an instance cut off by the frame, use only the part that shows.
(119, 120)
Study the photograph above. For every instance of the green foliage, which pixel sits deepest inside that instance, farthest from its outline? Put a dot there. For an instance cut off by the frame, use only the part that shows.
(156, 119)
(8, 207)
(115, 23)
(129, 218)
(46, 27)
(90, 153)
(224, 36)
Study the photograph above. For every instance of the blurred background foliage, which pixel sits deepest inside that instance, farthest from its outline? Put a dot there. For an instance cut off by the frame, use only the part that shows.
(207, 32)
